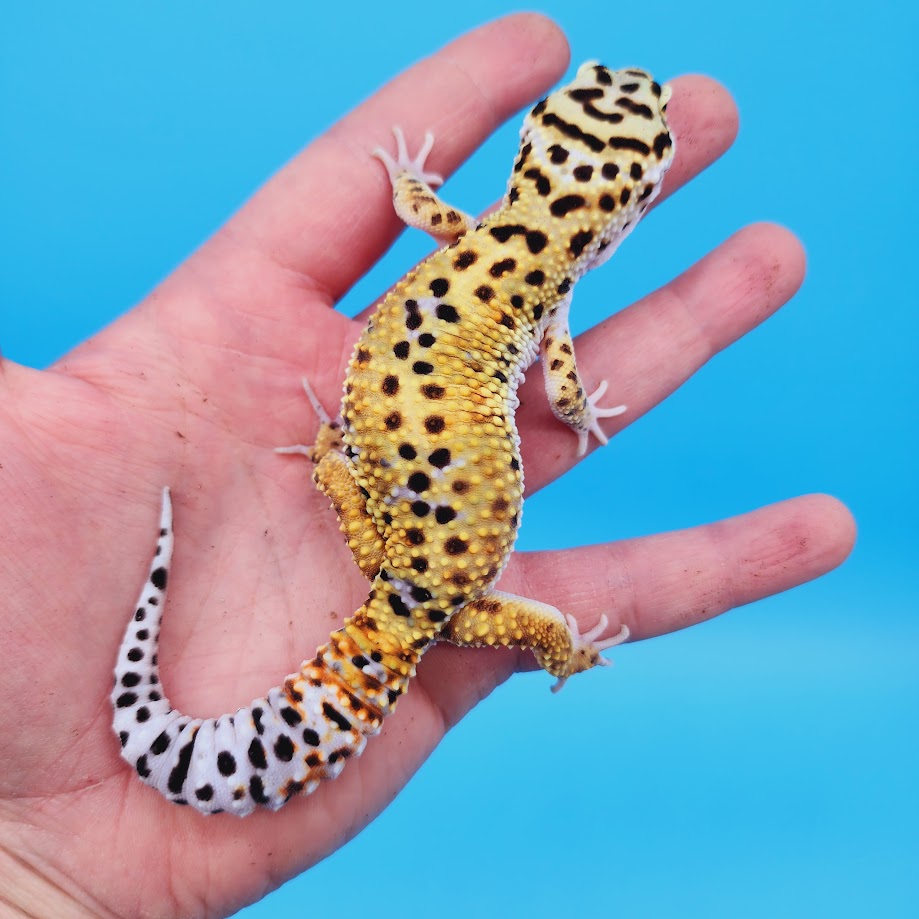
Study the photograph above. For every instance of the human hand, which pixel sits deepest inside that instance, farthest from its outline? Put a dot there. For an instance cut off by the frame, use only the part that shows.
(195, 386)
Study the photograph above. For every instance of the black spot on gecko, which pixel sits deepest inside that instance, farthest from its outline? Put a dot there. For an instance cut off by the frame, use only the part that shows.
(464, 260)
(123, 737)
(440, 457)
(560, 207)
(444, 514)
(607, 203)
(337, 717)
(407, 451)
(421, 594)
(580, 241)
(291, 716)
(434, 424)
(447, 312)
(142, 714)
(284, 748)
(455, 546)
(180, 771)
(636, 108)
(257, 720)
(636, 171)
(517, 301)
(226, 763)
(536, 277)
(505, 232)
(552, 120)
(543, 186)
(537, 312)
(586, 95)
(426, 339)
(422, 367)
(609, 171)
(257, 790)
(421, 508)
(436, 615)
(143, 770)
(400, 349)
(508, 321)
(557, 154)
(439, 287)
(126, 699)
(502, 267)
(257, 754)
(629, 143)
(161, 744)
(583, 173)
(204, 793)
(130, 679)
(661, 143)
(624, 197)
(414, 536)
(419, 482)
(310, 737)
(140, 615)
(362, 356)
(393, 421)
(390, 385)
(158, 578)
(484, 293)
(564, 287)
(420, 565)
(536, 241)
(432, 391)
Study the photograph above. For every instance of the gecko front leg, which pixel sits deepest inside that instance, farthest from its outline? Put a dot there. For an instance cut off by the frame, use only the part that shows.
(564, 388)
(414, 199)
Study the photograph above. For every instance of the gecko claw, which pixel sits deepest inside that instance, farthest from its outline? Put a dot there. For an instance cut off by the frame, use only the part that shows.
(586, 649)
(402, 163)
(596, 413)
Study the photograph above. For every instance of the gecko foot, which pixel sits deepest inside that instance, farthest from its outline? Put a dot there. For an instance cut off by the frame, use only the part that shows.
(327, 438)
(596, 413)
(585, 652)
(403, 164)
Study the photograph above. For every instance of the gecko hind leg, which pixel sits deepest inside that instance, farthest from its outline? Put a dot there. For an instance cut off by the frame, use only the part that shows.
(413, 196)
(508, 620)
(332, 475)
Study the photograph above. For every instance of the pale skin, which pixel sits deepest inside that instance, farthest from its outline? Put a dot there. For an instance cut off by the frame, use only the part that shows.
(194, 388)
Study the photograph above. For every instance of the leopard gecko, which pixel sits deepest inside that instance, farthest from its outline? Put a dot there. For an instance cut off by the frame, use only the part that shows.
(423, 464)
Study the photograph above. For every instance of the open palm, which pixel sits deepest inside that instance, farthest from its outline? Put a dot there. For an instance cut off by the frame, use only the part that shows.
(195, 386)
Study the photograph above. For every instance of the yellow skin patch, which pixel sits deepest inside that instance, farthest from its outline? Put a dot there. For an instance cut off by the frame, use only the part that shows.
(423, 467)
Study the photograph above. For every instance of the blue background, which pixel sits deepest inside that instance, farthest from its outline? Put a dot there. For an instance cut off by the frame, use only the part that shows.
(761, 764)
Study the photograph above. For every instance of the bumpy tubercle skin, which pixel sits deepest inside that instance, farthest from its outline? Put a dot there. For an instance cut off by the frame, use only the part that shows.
(424, 468)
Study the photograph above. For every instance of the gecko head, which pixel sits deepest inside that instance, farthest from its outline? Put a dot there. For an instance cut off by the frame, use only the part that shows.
(593, 153)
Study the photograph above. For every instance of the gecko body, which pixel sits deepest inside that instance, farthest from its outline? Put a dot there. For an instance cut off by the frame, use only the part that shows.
(424, 467)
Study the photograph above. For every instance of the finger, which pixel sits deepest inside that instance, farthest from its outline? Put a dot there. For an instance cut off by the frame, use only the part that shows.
(662, 583)
(703, 119)
(328, 215)
(657, 584)
(646, 351)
